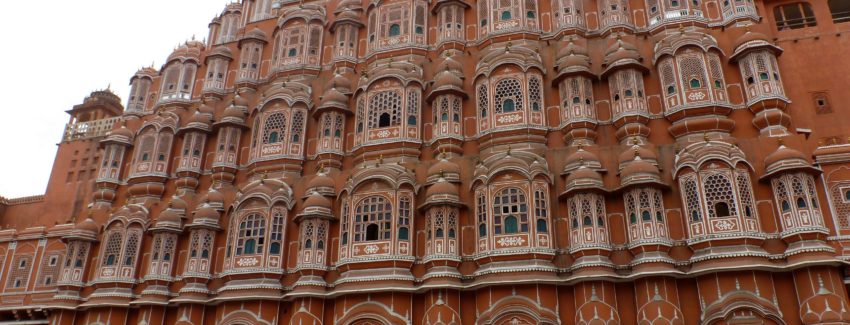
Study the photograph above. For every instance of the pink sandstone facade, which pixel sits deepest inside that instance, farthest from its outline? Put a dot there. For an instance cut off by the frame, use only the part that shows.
(590, 162)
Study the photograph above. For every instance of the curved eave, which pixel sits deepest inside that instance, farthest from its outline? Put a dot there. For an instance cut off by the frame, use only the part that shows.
(623, 64)
(801, 167)
(583, 187)
(749, 47)
(230, 122)
(346, 20)
(656, 183)
(206, 225)
(123, 142)
(200, 127)
(327, 215)
(444, 90)
(440, 3)
(331, 108)
(430, 202)
(572, 71)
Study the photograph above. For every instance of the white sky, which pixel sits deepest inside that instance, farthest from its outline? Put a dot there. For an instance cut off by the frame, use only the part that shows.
(56, 52)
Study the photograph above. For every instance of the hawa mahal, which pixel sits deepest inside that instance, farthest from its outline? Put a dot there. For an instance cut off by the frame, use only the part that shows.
(386, 162)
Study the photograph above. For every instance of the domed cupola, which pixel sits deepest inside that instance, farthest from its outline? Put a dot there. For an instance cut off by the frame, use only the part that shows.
(86, 230)
(199, 122)
(322, 184)
(122, 135)
(443, 169)
(168, 220)
(205, 216)
(441, 192)
(213, 197)
(316, 205)
(447, 81)
(572, 59)
(785, 159)
(639, 171)
(333, 99)
(190, 50)
(583, 179)
(255, 34)
(752, 41)
(621, 55)
(233, 116)
(582, 157)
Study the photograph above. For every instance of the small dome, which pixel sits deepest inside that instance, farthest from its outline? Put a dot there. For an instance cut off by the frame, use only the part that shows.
(206, 212)
(123, 131)
(316, 200)
(213, 197)
(748, 37)
(582, 157)
(255, 34)
(572, 49)
(450, 64)
(441, 187)
(221, 51)
(443, 166)
(198, 117)
(238, 100)
(334, 98)
(583, 174)
(233, 112)
(88, 225)
(447, 79)
(639, 166)
(783, 153)
(621, 50)
(322, 180)
(177, 203)
(206, 108)
(341, 83)
(168, 216)
(644, 153)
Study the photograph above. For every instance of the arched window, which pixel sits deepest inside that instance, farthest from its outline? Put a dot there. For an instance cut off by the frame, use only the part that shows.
(511, 225)
(251, 235)
(113, 248)
(510, 205)
(542, 226)
(719, 196)
(373, 219)
(395, 30)
(274, 128)
(801, 203)
(506, 15)
(372, 232)
(721, 209)
(385, 109)
(482, 100)
(508, 96)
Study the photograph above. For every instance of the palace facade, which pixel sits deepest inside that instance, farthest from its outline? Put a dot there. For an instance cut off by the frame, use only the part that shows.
(590, 162)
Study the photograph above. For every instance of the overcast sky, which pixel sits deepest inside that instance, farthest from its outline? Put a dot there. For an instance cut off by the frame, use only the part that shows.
(56, 52)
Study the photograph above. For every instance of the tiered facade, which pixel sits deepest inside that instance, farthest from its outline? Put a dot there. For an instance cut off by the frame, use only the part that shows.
(448, 162)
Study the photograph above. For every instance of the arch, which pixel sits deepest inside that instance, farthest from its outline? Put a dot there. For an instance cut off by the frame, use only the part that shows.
(242, 317)
(725, 308)
(700, 154)
(371, 313)
(520, 308)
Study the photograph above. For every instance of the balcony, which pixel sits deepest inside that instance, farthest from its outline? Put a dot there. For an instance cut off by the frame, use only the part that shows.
(676, 16)
(88, 130)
